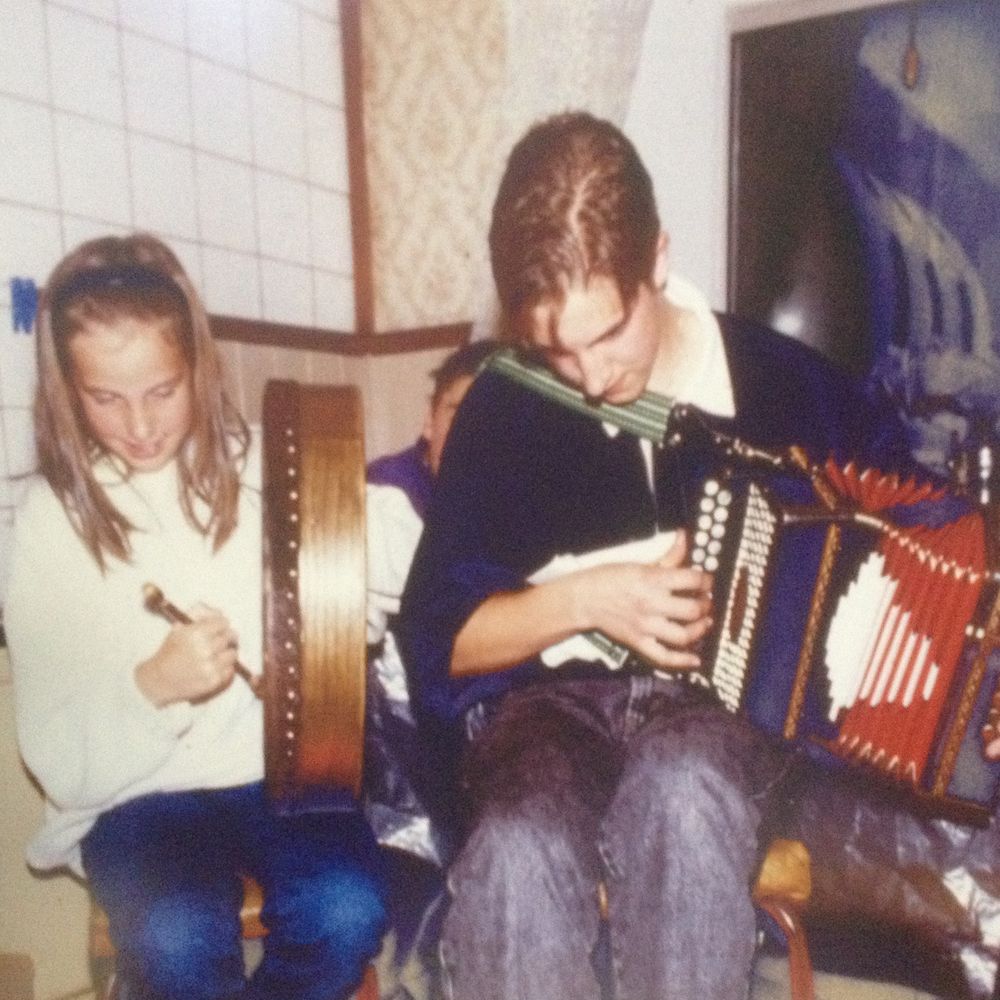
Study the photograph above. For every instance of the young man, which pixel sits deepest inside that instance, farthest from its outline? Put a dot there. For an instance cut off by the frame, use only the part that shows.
(577, 776)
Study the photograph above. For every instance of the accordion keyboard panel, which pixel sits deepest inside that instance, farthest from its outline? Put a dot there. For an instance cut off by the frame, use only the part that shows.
(750, 527)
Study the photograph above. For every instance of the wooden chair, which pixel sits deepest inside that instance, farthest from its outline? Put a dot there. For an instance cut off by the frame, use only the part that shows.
(102, 949)
(783, 888)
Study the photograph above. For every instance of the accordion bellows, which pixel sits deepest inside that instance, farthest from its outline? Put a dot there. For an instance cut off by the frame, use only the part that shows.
(867, 642)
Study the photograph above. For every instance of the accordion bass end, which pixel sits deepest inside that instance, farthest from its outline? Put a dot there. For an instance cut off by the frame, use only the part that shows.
(314, 593)
(868, 644)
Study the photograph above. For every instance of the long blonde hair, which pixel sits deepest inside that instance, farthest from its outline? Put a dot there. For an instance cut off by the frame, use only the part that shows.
(104, 281)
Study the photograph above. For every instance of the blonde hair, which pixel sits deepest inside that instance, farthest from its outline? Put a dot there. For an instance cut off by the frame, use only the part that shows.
(104, 281)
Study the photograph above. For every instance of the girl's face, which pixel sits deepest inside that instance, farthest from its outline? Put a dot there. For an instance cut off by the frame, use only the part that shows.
(134, 386)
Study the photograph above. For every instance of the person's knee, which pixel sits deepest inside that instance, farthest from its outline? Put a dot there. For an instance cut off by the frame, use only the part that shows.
(516, 849)
(345, 910)
(187, 949)
(692, 787)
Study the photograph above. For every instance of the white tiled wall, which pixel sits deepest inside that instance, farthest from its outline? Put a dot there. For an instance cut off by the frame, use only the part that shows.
(217, 124)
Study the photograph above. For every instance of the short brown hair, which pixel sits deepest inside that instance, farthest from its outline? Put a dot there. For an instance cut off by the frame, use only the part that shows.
(103, 281)
(575, 201)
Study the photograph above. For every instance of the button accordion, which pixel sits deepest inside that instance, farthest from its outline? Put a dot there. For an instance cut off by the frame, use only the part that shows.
(867, 642)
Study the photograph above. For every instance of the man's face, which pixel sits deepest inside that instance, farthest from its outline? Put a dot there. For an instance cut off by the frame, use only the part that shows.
(597, 343)
(439, 418)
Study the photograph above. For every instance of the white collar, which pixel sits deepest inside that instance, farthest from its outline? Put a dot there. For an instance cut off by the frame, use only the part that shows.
(708, 385)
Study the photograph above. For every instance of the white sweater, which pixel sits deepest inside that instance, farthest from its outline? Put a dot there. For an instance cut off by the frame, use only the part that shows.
(75, 637)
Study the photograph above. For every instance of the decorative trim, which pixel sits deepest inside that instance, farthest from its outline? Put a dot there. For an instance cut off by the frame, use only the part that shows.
(357, 173)
(966, 704)
(796, 701)
(344, 342)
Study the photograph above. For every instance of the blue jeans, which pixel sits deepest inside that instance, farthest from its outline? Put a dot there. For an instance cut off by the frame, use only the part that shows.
(636, 782)
(166, 869)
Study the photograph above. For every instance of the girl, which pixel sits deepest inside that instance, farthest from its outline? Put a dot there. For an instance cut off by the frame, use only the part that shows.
(146, 741)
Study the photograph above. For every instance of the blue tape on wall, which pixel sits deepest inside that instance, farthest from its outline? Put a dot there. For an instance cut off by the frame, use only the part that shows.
(24, 304)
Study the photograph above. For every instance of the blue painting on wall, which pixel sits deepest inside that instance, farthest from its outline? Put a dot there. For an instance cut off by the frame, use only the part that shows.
(885, 247)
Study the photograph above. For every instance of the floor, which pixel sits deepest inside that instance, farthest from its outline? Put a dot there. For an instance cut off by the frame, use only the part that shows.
(771, 983)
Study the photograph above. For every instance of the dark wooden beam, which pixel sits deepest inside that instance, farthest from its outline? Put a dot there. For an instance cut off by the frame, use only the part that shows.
(344, 342)
(357, 173)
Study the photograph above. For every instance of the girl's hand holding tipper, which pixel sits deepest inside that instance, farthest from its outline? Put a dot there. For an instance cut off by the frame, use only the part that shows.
(195, 661)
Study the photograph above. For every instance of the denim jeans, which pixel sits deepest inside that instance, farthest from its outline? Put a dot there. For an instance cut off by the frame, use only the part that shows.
(166, 869)
(638, 782)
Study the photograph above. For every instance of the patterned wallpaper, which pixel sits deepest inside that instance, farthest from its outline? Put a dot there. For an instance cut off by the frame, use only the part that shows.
(433, 83)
